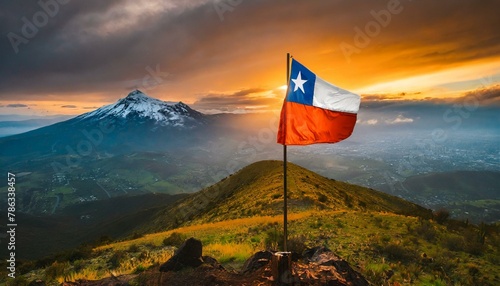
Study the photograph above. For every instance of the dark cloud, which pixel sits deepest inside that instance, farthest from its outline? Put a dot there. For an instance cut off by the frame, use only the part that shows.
(486, 97)
(240, 100)
(480, 97)
(378, 97)
(101, 46)
(16, 105)
(69, 106)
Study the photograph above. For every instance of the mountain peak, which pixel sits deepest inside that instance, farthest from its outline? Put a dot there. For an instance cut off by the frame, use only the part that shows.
(138, 105)
(137, 94)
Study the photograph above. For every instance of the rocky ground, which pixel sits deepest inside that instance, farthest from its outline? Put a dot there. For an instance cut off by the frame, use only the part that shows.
(317, 266)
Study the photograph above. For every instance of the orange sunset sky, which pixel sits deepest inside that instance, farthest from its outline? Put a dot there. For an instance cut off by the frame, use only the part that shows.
(229, 56)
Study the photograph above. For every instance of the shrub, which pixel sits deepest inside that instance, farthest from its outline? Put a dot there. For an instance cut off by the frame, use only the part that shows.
(274, 239)
(82, 252)
(481, 233)
(340, 224)
(444, 262)
(376, 273)
(316, 224)
(137, 235)
(297, 243)
(103, 240)
(57, 269)
(441, 215)
(414, 240)
(381, 223)
(473, 270)
(426, 230)
(347, 201)
(139, 269)
(175, 239)
(116, 259)
(412, 271)
(398, 252)
(322, 198)
(454, 242)
(133, 248)
(276, 196)
(385, 238)
(78, 265)
(362, 204)
(473, 247)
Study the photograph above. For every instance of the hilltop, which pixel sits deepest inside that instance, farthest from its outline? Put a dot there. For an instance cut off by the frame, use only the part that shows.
(257, 190)
(254, 191)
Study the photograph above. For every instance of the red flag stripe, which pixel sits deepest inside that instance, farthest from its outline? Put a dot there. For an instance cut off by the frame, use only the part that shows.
(307, 124)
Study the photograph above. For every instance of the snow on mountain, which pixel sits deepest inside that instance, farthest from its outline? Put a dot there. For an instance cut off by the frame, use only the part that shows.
(139, 105)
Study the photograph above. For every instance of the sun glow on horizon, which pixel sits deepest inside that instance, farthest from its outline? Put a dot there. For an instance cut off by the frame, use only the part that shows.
(444, 84)
(49, 108)
(450, 83)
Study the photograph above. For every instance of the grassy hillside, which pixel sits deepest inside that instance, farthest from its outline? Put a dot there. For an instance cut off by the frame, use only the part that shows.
(257, 190)
(389, 240)
(385, 247)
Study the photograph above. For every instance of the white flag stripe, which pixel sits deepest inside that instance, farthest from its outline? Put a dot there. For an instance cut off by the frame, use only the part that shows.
(331, 97)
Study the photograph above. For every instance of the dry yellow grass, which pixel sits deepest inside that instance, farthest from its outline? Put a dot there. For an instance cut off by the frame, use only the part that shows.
(208, 228)
(229, 251)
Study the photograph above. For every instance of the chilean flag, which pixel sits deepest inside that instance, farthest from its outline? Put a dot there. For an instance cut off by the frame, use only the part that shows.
(315, 111)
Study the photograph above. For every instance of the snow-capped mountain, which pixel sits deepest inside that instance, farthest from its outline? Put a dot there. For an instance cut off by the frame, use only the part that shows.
(139, 106)
(134, 123)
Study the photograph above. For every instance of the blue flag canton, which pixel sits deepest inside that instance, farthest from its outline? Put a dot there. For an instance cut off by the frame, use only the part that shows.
(301, 78)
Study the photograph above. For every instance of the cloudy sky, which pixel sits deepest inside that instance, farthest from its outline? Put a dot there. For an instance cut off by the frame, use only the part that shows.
(69, 57)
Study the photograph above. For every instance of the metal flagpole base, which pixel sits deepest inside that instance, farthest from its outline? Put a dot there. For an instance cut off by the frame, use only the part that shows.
(281, 268)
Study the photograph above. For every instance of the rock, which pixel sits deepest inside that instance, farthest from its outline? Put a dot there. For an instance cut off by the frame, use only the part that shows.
(257, 261)
(212, 262)
(309, 253)
(188, 255)
(296, 256)
(325, 257)
(333, 271)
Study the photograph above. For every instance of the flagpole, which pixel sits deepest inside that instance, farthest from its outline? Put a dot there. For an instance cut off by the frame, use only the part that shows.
(285, 195)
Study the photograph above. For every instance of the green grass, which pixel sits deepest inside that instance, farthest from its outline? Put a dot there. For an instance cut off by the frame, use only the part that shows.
(255, 191)
(373, 242)
(375, 232)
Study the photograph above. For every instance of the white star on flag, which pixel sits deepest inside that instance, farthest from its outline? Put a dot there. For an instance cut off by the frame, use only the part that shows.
(299, 83)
